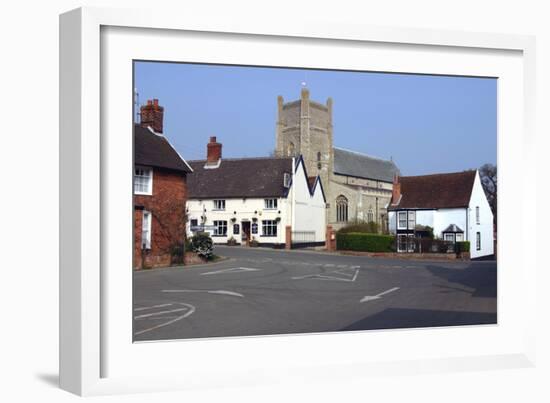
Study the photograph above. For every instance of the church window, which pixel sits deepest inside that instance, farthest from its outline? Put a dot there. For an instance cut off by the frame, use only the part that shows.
(341, 209)
(370, 216)
(318, 160)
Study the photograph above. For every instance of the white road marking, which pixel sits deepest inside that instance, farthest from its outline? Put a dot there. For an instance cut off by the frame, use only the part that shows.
(188, 307)
(146, 315)
(151, 307)
(378, 296)
(221, 292)
(348, 277)
(232, 270)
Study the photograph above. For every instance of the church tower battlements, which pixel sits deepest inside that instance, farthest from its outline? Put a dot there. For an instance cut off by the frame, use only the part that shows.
(304, 127)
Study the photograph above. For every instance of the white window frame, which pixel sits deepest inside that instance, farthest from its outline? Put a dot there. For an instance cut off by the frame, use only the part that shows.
(149, 171)
(399, 213)
(270, 204)
(219, 204)
(409, 219)
(146, 225)
(478, 240)
(450, 235)
(220, 224)
(477, 215)
(271, 226)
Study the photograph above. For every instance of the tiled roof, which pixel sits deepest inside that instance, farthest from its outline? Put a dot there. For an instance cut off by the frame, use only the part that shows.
(352, 163)
(239, 177)
(154, 150)
(448, 190)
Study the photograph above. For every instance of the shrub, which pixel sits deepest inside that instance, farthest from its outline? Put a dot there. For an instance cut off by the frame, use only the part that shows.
(202, 244)
(364, 227)
(364, 242)
(463, 246)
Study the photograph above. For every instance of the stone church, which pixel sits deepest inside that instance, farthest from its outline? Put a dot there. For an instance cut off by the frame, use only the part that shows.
(358, 187)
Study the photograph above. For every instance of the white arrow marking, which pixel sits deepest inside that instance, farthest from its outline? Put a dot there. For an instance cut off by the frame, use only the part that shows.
(378, 296)
(232, 270)
(221, 292)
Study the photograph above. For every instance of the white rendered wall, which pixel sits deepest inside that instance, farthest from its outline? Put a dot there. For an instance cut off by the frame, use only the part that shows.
(485, 226)
(241, 209)
(310, 209)
(442, 218)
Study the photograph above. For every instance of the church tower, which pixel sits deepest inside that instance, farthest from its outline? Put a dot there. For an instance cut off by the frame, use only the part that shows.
(304, 127)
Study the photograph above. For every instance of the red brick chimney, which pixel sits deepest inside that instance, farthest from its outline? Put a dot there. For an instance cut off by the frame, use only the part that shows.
(396, 190)
(152, 115)
(213, 151)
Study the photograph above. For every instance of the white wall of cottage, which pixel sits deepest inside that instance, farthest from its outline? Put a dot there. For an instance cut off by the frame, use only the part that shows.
(465, 218)
(310, 209)
(240, 209)
(310, 213)
(485, 226)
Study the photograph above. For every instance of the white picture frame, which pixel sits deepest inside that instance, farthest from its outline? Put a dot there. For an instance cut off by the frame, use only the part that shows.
(96, 353)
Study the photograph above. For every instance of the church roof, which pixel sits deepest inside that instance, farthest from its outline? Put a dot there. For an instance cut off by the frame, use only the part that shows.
(351, 163)
(239, 177)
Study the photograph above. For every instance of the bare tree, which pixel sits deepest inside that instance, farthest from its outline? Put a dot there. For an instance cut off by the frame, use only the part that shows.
(488, 175)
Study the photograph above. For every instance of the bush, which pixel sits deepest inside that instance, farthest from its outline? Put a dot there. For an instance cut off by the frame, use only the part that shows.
(364, 227)
(202, 244)
(463, 246)
(364, 242)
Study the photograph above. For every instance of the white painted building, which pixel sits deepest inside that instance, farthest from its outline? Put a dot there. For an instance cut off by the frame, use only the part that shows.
(454, 205)
(246, 199)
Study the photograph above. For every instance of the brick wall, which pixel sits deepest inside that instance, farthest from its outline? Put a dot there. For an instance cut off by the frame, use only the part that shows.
(167, 206)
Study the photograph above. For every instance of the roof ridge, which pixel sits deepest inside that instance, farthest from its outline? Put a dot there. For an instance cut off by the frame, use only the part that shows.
(364, 154)
(440, 174)
(247, 158)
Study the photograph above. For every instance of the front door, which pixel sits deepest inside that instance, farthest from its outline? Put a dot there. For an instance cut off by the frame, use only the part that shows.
(245, 234)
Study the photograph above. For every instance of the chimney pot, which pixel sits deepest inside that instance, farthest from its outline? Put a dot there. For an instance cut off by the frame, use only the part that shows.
(396, 190)
(152, 115)
(213, 151)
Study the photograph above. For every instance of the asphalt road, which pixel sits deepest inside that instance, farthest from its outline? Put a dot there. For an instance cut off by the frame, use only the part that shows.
(262, 291)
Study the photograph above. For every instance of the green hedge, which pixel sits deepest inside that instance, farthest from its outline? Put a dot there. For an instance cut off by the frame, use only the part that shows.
(463, 246)
(365, 242)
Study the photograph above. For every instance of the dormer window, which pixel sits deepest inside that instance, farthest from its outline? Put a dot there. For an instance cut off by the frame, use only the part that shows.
(143, 181)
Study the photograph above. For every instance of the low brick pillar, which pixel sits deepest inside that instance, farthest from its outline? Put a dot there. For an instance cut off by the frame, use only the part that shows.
(330, 239)
(288, 237)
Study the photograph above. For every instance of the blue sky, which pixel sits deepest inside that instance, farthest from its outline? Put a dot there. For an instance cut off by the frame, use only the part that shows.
(427, 124)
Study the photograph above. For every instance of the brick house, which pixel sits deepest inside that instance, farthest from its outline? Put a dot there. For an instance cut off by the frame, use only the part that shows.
(160, 192)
